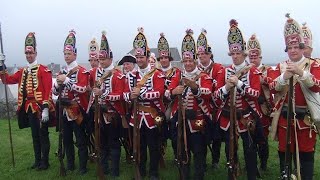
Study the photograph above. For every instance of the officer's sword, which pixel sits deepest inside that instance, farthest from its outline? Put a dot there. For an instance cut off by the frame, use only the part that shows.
(2, 58)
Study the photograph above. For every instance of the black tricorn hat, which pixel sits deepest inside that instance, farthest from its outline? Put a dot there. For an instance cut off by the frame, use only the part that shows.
(127, 58)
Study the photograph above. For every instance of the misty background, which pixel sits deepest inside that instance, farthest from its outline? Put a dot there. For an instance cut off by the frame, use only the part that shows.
(52, 20)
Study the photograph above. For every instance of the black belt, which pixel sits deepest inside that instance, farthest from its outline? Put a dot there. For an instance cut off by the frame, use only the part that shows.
(261, 99)
(226, 113)
(300, 112)
(30, 98)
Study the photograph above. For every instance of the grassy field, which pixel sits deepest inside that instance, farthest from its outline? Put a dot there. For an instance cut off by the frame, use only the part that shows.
(24, 158)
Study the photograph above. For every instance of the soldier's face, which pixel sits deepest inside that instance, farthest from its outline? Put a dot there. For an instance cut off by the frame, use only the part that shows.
(307, 51)
(105, 62)
(204, 57)
(189, 64)
(31, 56)
(238, 57)
(164, 61)
(69, 56)
(142, 61)
(256, 60)
(295, 53)
(152, 62)
(128, 66)
(94, 62)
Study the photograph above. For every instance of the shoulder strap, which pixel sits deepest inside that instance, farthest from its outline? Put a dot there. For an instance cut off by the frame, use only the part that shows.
(199, 76)
(208, 69)
(145, 78)
(72, 71)
(104, 77)
(171, 72)
(263, 68)
(244, 71)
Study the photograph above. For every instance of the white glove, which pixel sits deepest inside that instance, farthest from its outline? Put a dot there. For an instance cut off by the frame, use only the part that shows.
(45, 115)
(2, 58)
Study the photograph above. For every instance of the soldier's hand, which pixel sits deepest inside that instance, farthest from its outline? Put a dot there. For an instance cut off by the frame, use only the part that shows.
(229, 84)
(253, 65)
(294, 69)
(190, 83)
(61, 78)
(178, 90)
(45, 115)
(287, 75)
(2, 58)
(97, 91)
(2, 65)
(89, 89)
(233, 79)
(135, 93)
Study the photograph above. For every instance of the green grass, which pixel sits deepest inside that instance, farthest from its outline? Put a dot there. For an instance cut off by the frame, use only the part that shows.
(23, 152)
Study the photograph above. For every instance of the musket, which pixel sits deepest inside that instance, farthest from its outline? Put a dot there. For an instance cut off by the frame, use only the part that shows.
(182, 158)
(286, 174)
(97, 115)
(2, 58)
(126, 141)
(127, 148)
(162, 144)
(232, 135)
(162, 163)
(136, 135)
(232, 165)
(62, 170)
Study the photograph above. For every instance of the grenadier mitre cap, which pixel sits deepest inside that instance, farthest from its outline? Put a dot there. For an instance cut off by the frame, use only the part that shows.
(140, 44)
(93, 49)
(70, 42)
(163, 47)
(30, 43)
(292, 32)
(254, 48)
(188, 48)
(307, 35)
(105, 51)
(202, 43)
(235, 38)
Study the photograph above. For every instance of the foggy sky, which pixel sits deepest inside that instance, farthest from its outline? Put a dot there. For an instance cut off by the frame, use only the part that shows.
(52, 20)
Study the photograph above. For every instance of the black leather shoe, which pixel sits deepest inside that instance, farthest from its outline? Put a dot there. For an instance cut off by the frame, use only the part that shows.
(215, 165)
(35, 165)
(70, 167)
(106, 171)
(154, 178)
(83, 171)
(43, 166)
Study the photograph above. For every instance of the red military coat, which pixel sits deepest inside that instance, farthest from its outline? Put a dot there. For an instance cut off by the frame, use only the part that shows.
(171, 75)
(248, 91)
(212, 70)
(75, 88)
(112, 88)
(37, 86)
(306, 136)
(151, 94)
(199, 102)
(266, 97)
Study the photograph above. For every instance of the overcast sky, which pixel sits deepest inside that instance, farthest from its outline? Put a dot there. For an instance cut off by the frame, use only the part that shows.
(52, 20)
